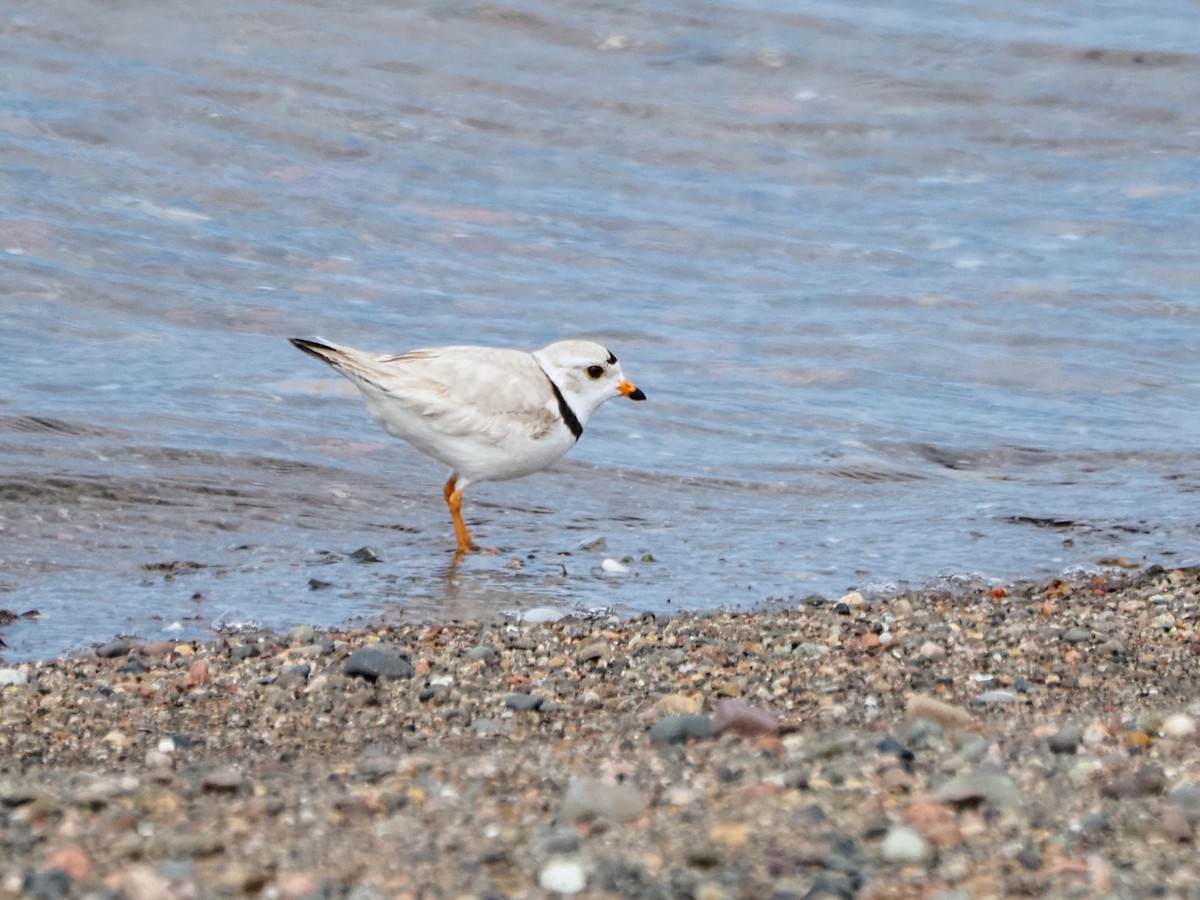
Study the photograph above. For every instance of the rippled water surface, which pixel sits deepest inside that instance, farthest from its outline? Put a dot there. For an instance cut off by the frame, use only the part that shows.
(913, 292)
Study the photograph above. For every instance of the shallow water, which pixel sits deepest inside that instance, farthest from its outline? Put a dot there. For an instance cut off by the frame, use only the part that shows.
(913, 294)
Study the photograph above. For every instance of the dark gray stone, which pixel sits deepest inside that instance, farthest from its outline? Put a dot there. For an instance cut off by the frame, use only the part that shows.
(51, 884)
(681, 729)
(294, 676)
(113, 649)
(524, 702)
(1067, 739)
(382, 661)
(366, 555)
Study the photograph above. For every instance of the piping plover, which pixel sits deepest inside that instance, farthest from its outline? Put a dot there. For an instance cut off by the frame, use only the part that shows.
(488, 414)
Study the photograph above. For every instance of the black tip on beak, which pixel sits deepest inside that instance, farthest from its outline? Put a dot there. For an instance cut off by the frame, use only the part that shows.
(637, 395)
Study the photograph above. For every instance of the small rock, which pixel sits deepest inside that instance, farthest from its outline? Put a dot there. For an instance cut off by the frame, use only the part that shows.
(741, 718)
(595, 544)
(1175, 824)
(382, 661)
(294, 676)
(1067, 739)
(11, 677)
(197, 676)
(524, 702)
(937, 822)
(143, 883)
(366, 555)
(924, 734)
(679, 704)
(301, 634)
(922, 706)
(612, 567)
(1094, 823)
(116, 739)
(559, 842)
(889, 744)
(1178, 725)
(596, 650)
(1077, 636)
(702, 855)
(563, 875)
(993, 787)
(113, 649)
(1186, 795)
(225, 780)
(482, 653)
(809, 650)
(589, 799)
(50, 884)
(932, 651)
(831, 886)
(156, 759)
(375, 764)
(541, 615)
(904, 845)
(996, 697)
(70, 859)
(896, 780)
(1147, 781)
(681, 729)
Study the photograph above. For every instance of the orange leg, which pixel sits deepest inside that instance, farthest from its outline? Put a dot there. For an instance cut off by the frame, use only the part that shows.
(454, 501)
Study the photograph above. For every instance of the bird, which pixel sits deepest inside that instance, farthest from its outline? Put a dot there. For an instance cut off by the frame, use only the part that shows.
(489, 414)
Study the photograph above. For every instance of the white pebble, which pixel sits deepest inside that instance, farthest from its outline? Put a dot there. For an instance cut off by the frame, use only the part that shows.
(12, 677)
(540, 614)
(904, 845)
(613, 567)
(996, 697)
(156, 759)
(1179, 725)
(854, 599)
(563, 875)
(932, 650)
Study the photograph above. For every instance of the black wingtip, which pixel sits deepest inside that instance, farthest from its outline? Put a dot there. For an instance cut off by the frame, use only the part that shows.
(313, 347)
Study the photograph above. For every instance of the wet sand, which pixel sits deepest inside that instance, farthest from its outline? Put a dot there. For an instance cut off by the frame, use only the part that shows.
(1038, 740)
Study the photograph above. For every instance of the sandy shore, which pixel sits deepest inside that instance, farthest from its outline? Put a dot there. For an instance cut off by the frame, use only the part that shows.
(1037, 741)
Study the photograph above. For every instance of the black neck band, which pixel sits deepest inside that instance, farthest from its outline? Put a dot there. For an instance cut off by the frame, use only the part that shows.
(564, 409)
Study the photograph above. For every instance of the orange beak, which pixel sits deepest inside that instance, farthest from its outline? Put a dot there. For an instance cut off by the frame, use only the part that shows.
(628, 389)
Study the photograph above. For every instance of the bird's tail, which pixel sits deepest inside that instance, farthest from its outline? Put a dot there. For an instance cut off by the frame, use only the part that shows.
(361, 368)
(322, 350)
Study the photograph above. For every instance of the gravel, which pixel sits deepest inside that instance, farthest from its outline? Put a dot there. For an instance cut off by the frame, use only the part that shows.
(787, 752)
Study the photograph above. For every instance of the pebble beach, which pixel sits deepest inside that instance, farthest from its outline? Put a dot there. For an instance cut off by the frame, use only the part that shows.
(1038, 740)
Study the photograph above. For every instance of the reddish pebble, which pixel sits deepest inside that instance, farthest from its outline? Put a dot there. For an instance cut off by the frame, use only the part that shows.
(937, 823)
(70, 859)
(743, 719)
(197, 675)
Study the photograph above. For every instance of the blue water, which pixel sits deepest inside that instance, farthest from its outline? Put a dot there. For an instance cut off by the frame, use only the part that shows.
(913, 293)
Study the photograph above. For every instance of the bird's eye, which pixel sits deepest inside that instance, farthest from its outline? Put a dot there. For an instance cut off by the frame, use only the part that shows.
(595, 372)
